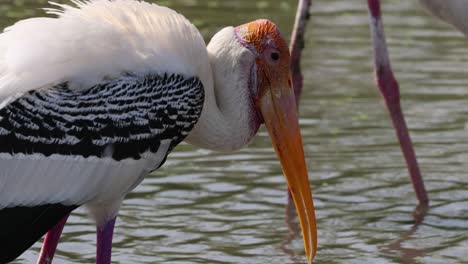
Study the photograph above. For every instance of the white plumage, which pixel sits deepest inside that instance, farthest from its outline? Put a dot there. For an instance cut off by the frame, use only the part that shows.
(101, 39)
(89, 44)
(72, 180)
(85, 45)
(226, 126)
(95, 40)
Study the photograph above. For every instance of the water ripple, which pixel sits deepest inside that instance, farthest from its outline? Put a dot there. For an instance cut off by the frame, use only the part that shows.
(206, 207)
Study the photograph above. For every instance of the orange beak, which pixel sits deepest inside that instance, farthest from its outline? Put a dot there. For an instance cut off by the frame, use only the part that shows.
(278, 107)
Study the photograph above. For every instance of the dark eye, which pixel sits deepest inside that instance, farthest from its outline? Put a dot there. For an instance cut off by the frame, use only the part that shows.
(275, 56)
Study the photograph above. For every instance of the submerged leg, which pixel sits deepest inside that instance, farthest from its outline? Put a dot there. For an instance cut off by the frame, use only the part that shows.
(50, 242)
(104, 242)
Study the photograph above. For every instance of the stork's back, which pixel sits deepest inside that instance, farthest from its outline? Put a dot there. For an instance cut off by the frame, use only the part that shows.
(98, 39)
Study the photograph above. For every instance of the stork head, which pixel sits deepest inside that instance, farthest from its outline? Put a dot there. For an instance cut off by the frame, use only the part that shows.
(275, 104)
(272, 59)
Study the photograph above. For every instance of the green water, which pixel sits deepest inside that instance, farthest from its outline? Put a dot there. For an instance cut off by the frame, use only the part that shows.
(206, 207)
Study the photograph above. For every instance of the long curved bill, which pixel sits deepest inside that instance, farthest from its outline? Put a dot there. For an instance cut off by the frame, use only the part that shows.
(278, 107)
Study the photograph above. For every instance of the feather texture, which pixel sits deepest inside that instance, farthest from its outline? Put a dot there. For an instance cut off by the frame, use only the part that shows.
(92, 146)
(120, 118)
(98, 39)
(93, 99)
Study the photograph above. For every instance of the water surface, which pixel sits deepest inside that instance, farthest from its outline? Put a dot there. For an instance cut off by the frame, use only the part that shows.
(207, 207)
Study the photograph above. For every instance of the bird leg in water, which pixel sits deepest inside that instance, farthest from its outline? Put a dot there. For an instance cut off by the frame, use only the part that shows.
(297, 45)
(390, 91)
(104, 242)
(50, 242)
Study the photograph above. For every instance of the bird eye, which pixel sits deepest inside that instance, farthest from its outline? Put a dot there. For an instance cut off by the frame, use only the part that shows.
(271, 55)
(274, 56)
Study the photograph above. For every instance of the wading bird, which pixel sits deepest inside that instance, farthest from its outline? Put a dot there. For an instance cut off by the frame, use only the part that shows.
(93, 100)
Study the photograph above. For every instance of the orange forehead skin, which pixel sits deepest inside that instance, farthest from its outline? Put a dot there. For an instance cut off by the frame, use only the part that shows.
(260, 35)
(263, 33)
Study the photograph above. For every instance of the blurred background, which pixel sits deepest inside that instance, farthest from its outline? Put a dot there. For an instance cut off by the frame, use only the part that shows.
(207, 207)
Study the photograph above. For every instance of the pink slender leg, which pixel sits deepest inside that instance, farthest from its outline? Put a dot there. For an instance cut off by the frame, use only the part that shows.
(390, 91)
(104, 242)
(50, 242)
(297, 44)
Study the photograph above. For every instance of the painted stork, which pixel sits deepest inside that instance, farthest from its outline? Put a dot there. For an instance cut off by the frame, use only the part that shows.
(93, 100)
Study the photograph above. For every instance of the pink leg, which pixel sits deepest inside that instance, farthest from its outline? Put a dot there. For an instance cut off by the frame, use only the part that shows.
(297, 44)
(390, 91)
(50, 242)
(104, 242)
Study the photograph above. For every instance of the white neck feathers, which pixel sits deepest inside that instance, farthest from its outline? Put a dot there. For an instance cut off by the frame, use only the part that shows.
(228, 119)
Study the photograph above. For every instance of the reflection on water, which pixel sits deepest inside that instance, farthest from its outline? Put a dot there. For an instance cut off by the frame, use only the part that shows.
(408, 255)
(294, 230)
(206, 207)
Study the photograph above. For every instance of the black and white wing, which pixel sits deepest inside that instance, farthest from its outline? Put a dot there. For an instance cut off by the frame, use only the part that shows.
(61, 147)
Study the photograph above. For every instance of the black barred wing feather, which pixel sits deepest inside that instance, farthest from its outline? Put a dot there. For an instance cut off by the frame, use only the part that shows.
(61, 148)
(120, 118)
